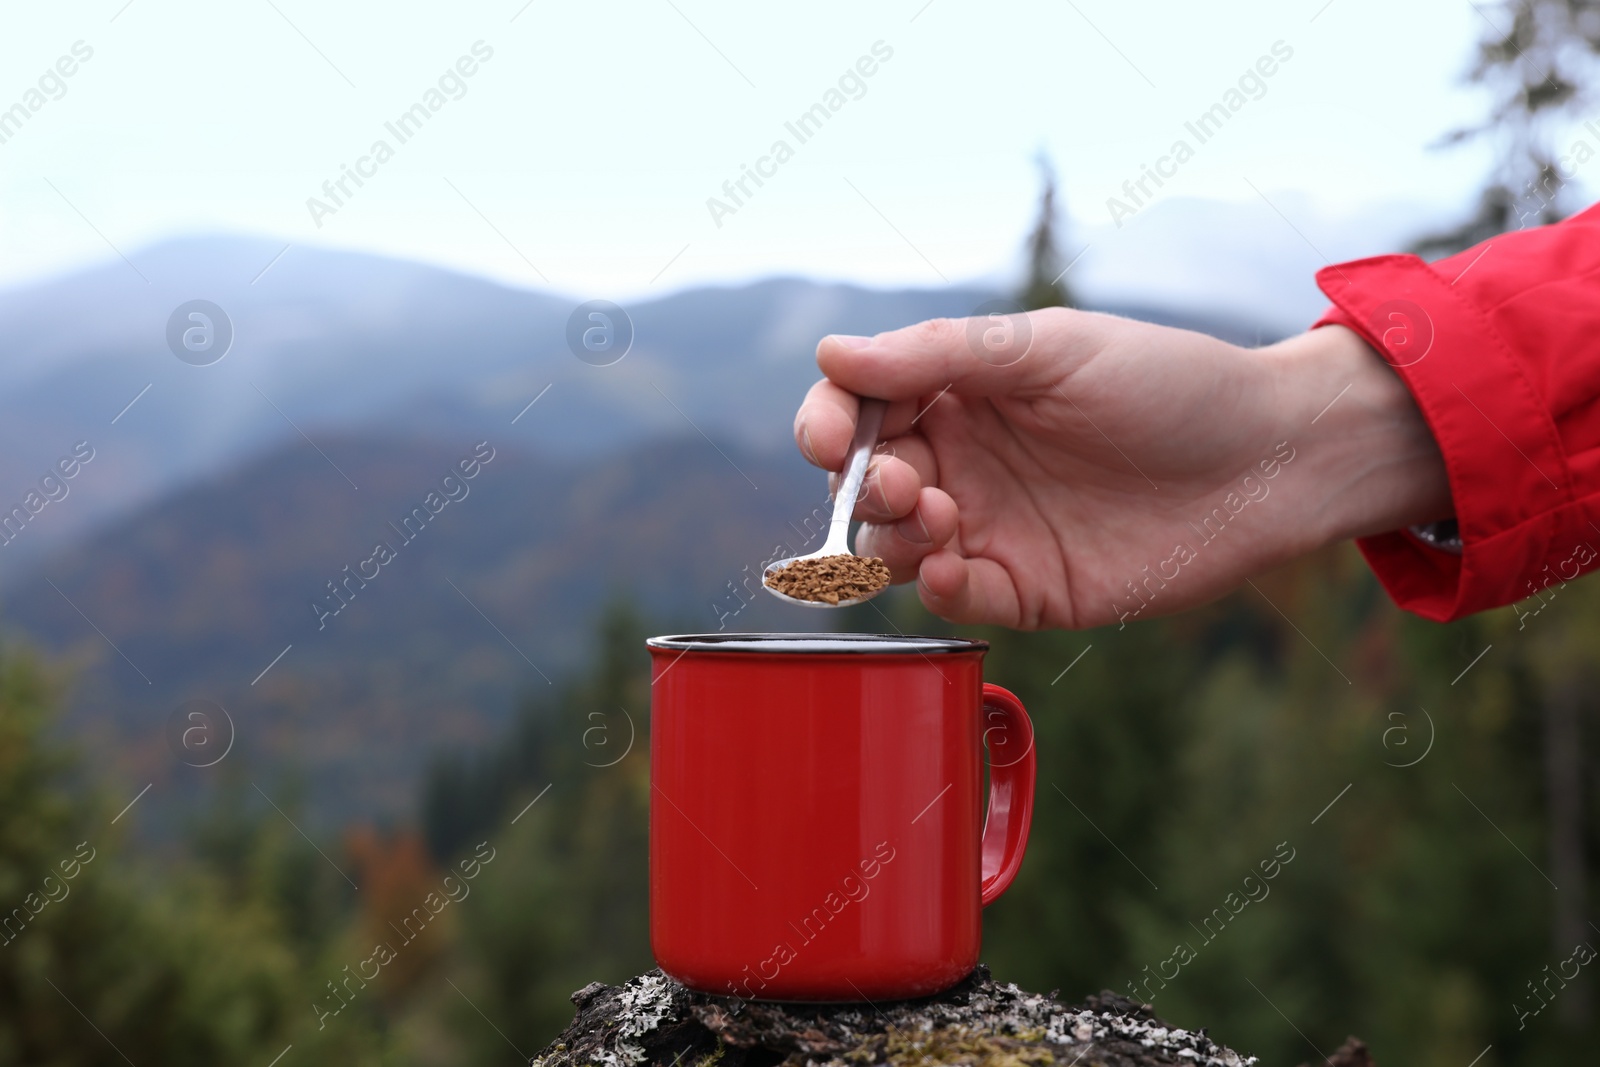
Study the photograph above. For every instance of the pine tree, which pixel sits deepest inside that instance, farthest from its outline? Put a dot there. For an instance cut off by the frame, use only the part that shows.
(567, 902)
(1537, 59)
(1045, 286)
(105, 960)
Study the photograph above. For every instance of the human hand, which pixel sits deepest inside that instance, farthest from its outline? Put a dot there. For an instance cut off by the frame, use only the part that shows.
(1115, 468)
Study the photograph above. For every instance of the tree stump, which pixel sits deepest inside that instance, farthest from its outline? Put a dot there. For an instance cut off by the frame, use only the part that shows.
(980, 1023)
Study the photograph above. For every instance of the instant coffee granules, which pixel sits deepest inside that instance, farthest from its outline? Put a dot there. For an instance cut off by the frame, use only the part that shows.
(830, 579)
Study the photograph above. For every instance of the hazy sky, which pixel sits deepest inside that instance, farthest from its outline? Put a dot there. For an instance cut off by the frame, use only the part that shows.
(583, 151)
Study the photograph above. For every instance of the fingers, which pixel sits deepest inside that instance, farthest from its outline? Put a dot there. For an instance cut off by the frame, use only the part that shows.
(826, 422)
(914, 451)
(913, 367)
(968, 590)
(888, 492)
(904, 542)
(824, 425)
(895, 476)
(984, 356)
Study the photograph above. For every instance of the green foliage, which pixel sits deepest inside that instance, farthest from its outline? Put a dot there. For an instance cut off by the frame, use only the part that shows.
(1410, 908)
(107, 957)
(566, 901)
(1415, 908)
(1404, 810)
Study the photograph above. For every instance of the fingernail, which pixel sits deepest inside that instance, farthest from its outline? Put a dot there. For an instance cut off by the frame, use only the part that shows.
(805, 446)
(851, 341)
(914, 530)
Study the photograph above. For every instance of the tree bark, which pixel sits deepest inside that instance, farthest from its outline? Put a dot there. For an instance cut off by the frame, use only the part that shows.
(981, 1023)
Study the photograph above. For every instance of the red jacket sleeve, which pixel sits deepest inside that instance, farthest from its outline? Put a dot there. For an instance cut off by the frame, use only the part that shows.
(1500, 346)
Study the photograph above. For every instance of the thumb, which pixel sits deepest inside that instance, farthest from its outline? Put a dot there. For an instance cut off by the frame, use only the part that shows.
(986, 355)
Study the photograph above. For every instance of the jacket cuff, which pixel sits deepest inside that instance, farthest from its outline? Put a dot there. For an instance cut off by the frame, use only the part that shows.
(1507, 470)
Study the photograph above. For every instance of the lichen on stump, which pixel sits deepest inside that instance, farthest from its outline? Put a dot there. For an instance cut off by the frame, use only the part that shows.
(979, 1023)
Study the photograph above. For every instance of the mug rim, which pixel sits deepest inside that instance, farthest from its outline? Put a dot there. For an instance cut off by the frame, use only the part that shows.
(838, 643)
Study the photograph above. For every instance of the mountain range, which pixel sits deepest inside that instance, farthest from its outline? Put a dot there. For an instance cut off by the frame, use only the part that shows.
(223, 543)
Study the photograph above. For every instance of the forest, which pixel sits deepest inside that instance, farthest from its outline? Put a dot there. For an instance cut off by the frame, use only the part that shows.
(1297, 804)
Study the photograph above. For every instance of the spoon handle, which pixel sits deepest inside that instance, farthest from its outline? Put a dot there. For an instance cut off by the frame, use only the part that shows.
(868, 422)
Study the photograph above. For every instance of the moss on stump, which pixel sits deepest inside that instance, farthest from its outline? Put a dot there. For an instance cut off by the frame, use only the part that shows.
(980, 1023)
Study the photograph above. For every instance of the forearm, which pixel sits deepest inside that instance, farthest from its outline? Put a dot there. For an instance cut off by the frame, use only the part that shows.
(1366, 461)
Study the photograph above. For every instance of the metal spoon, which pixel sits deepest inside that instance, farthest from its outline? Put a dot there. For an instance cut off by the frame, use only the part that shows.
(868, 421)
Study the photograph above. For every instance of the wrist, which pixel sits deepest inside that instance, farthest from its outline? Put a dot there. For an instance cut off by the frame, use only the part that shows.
(1371, 465)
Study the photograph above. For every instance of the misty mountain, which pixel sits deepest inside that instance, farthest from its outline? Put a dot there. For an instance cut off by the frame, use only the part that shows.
(275, 531)
(325, 342)
(496, 594)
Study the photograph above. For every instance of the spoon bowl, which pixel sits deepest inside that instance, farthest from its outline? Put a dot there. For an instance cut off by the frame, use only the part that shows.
(868, 422)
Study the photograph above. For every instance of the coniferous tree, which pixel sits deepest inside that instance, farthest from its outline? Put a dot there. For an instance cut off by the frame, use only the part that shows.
(1045, 285)
(1541, 61)
(106, 960)
(1538, 59)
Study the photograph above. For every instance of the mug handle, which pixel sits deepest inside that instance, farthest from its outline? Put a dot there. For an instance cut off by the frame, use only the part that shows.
(1008, 735)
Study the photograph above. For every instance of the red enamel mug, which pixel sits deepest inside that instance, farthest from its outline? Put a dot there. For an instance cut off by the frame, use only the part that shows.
(817, 825)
